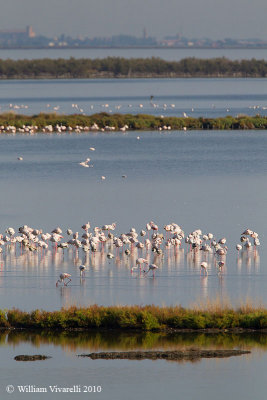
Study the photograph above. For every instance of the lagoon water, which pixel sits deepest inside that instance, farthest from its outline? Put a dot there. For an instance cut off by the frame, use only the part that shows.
(165, 54)
(215, 181)
(242, 376)
(196, 97)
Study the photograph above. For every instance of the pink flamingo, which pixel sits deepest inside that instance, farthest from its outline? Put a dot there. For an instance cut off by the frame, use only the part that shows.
(152, 267)
(140, 261)
(62, 278)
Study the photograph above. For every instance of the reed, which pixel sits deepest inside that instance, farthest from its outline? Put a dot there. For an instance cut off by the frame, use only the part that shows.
(144, 318)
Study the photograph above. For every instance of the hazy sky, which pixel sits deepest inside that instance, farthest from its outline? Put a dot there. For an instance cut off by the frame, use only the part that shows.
(192, 18)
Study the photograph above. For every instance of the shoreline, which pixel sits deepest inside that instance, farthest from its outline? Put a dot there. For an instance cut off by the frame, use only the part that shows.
(11, 123)
(109, 76)
(214, 319)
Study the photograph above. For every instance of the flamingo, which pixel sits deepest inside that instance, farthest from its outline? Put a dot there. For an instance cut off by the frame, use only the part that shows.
(238, 247)
(148, 228)
(62, 278)
(152, 267)
(57, 230)
(140, 261)
(82, 270)
(247, 244)
(154, 227)
(220, 266)
(222, 241)
(247, 232)
(55, 238)
(204, 268)
(86, 226)
(256, 242)
(84, 164)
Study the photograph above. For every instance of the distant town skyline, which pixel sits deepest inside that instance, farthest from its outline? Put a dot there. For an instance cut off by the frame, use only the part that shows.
(27, 38)
(215, 19)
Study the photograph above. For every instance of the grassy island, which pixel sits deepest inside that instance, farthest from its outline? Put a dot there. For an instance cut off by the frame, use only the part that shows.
(17, 123)
(117, 67)
(142, 318)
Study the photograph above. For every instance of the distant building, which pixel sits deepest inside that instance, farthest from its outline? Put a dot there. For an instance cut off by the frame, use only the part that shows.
(145, 36)
(30, 32)
(27, 39)
(14, 35)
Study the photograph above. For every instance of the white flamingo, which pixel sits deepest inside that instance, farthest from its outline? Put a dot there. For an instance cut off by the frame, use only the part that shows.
(204, 268)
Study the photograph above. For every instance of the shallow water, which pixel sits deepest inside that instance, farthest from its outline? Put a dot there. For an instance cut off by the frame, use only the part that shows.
(209, 180)
(214, 181)
(120, 378)
(197, 97)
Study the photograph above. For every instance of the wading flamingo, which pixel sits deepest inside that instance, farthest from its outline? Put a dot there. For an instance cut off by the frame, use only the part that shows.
(152, 267)
(204, 268)
(62, 278)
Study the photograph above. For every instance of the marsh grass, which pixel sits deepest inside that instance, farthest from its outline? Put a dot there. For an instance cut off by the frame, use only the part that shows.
(134, 122)
(146, 318)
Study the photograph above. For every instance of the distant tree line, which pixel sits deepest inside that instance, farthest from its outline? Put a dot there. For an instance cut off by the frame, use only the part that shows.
(116, 67)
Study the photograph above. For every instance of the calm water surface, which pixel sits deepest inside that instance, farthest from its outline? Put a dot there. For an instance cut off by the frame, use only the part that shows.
(215, 181)
(211, 378)
(170, 97)
(165, 54)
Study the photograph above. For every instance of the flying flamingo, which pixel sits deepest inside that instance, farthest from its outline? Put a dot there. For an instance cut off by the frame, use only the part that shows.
(62, 278)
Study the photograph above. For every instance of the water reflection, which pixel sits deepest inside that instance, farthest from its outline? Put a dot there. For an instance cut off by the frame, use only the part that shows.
(178, 257)
(105, 278)
(113, 340)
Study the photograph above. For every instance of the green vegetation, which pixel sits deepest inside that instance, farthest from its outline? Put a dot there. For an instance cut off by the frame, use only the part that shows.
(134, 122)
(144, 318)
(132, 340)
(116, 67)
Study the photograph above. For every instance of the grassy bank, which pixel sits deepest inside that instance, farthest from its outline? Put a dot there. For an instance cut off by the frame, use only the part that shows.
(104, 121)
(144, 318)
